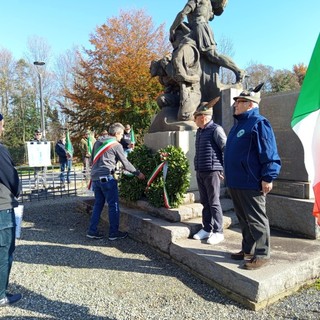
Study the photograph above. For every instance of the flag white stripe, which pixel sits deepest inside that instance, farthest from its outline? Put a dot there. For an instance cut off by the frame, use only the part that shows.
(308, 131)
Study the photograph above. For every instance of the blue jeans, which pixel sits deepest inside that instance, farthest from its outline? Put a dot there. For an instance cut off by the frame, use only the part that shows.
(105, 192)
(65, 165)
(7, 246)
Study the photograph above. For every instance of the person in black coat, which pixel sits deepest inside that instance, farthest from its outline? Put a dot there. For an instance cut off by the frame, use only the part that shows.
(65, 160)
(9, 191)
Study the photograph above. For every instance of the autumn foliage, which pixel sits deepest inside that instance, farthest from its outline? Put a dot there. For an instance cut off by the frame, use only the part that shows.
(112, 81)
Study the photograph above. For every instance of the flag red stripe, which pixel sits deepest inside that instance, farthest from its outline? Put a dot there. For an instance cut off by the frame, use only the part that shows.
(316, 207)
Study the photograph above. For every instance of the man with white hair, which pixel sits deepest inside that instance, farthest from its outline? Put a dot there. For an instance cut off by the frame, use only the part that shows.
(252, 162)
(208, 163)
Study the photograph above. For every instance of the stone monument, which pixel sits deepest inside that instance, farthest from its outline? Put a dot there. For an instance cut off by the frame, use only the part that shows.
(190, 75)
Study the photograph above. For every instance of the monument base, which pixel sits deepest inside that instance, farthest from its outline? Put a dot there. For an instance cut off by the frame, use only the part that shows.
(292, 215)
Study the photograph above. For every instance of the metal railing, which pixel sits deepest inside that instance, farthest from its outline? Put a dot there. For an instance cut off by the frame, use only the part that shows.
(44, 182)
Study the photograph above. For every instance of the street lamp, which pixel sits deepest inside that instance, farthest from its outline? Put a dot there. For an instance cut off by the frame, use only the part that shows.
(43, 128)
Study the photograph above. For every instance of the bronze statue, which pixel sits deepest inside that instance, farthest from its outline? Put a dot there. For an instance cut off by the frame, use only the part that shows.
(193, 67)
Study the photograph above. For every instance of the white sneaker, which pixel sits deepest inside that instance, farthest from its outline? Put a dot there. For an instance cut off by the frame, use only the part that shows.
(202, 235)
(215, 238)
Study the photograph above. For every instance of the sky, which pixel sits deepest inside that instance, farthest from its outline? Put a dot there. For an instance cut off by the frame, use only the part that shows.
(277, 33)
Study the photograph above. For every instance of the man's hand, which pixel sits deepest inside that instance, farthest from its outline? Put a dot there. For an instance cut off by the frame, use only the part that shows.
(141, 176)
(266, 187)
(221, 175)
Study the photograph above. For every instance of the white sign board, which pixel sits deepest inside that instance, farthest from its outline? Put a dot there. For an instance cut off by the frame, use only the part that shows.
(39, 153)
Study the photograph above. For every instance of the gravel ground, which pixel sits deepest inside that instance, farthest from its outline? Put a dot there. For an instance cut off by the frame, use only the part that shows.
(64, 275)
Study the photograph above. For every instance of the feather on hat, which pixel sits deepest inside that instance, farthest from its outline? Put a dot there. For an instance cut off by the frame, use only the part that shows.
(252, 94)
(206, 108)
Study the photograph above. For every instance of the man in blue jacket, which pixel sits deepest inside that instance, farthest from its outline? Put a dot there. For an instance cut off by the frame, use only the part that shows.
(9, 191)
(65, 159)
(251, 164)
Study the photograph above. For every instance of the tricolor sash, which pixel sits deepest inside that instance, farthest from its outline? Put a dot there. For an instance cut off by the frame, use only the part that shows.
(162, 166)
(107, 145)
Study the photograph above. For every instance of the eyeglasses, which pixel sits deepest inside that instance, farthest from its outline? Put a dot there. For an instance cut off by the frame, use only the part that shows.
(38, 134)
(241, 101)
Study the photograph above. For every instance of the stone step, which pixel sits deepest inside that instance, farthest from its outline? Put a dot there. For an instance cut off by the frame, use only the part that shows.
(229, 220)
(183, 213)
(295, 261)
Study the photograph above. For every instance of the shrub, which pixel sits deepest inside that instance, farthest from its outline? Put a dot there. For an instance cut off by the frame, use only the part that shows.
(131, 188)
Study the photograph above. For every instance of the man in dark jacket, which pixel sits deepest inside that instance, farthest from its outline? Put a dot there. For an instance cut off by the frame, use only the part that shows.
(252, 162)
(107, 151)
(208, 163)
(37, 171)
(65, 159)
(126, 142)
(9, 191)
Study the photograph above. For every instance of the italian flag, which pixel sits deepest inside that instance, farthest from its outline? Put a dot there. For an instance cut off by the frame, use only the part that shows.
(306, 123)
(68, 145)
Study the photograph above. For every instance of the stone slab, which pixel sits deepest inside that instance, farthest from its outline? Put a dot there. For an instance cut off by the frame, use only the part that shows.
(278, 108)
(294, 189)
(292, 215)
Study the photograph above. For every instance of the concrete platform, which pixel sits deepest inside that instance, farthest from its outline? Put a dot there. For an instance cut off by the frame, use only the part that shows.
(294, 261)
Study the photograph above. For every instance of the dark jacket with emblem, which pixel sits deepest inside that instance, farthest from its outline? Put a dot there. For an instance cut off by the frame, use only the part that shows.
(251, 152)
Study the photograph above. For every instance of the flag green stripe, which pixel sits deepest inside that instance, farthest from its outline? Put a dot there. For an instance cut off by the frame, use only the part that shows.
(309, 98)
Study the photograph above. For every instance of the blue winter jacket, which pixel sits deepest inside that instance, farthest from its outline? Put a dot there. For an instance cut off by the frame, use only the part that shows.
(251, 152)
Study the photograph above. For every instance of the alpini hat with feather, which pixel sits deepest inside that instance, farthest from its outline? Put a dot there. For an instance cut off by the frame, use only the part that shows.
(252, 94)
(206, 108)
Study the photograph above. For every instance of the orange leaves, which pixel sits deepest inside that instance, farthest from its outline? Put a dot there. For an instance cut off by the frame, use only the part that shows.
(114, 78)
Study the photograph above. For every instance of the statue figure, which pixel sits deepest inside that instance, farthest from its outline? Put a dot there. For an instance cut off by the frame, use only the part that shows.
(190, 74)
(164, 70)
(187, 72)
(199, 13)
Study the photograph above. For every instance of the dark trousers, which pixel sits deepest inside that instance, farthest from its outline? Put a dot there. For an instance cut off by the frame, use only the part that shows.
(105, 192)
(209, 190)
(7, 246)
(250, 208)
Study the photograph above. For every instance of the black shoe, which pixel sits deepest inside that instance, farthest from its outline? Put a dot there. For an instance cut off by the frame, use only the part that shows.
(94, 235)
(118, 235)
(10, 299)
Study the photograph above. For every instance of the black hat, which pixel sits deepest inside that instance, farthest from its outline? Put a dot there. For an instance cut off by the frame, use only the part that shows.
(252, 94)
(37, 131)
(206, 107)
